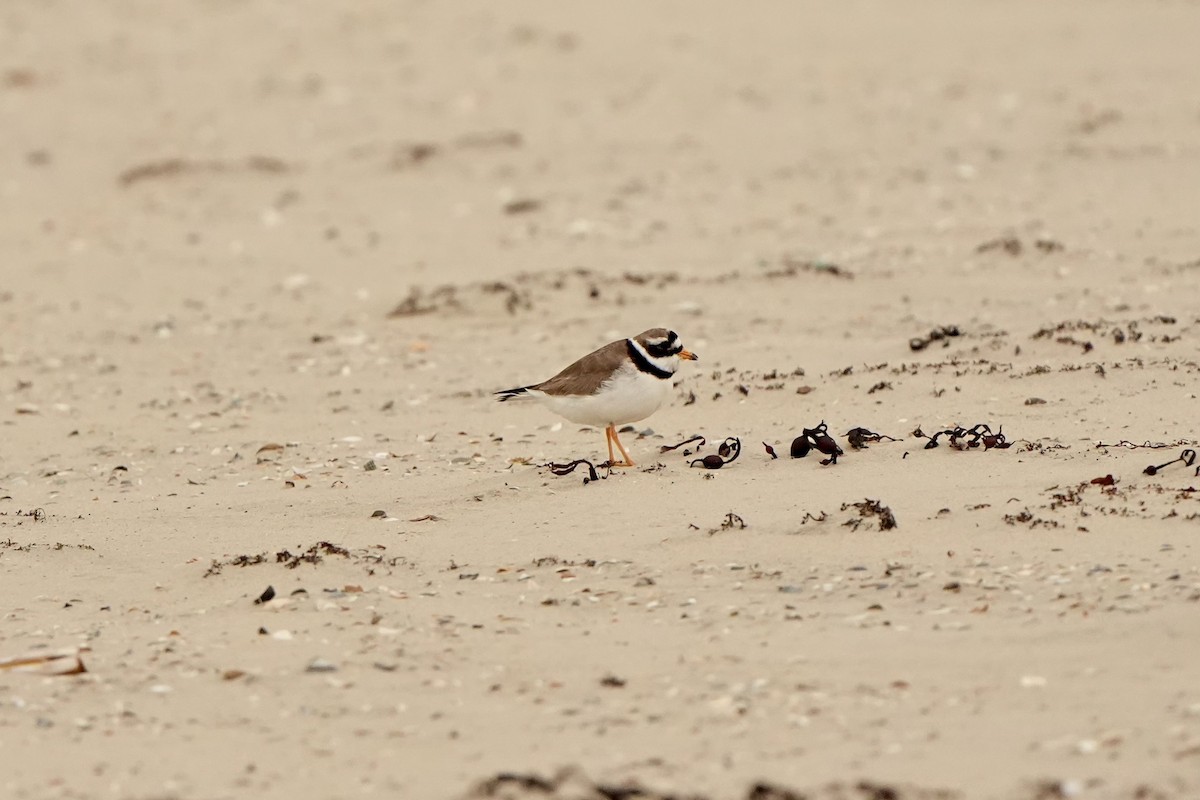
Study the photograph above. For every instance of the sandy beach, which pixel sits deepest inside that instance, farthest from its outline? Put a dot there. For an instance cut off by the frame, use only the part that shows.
(266, 532)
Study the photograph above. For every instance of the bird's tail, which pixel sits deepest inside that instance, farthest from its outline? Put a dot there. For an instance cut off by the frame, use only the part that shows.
(509, 394)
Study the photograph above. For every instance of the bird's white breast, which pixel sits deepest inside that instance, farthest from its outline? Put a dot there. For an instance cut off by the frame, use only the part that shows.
(630, 395)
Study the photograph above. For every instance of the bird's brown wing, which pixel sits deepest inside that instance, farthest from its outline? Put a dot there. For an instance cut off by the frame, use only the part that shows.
(588, 373)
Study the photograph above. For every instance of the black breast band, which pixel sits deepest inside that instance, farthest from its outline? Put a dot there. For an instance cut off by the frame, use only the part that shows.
(644, 364)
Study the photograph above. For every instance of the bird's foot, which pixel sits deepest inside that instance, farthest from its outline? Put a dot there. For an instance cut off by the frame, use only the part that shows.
(617, 464)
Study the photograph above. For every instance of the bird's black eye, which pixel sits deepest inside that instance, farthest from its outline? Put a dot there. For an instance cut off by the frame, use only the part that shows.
(661, 349)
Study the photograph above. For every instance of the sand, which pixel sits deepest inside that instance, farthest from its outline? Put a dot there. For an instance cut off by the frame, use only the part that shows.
(263, 265)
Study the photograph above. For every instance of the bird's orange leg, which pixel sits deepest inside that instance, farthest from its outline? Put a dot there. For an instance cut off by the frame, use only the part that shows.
(628, 462)
(608, 437)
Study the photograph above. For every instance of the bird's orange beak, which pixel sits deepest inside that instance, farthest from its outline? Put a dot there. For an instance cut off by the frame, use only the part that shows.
(688, 355)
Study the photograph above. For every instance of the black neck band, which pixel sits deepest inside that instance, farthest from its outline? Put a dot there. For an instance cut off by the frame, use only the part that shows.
(644, 364)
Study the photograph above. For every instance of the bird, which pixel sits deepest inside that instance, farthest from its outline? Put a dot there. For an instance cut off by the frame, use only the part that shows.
(624, 381)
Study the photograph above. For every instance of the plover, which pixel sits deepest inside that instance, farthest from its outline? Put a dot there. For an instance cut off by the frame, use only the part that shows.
(622, 382)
